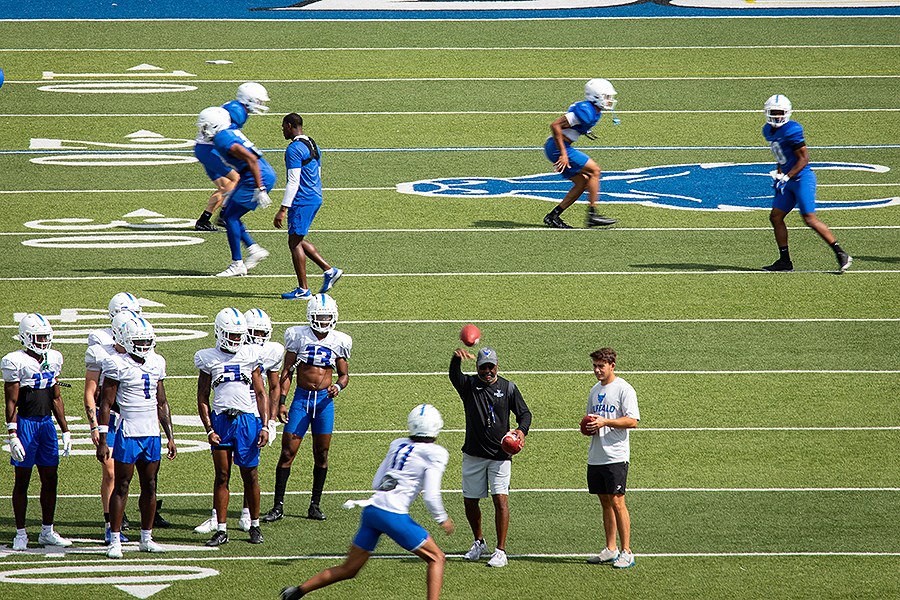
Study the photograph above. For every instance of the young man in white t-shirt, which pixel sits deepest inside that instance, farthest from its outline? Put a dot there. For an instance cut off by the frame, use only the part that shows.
(613, 405)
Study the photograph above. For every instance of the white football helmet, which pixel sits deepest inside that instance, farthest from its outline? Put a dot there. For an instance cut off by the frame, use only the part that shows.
(778, 110)
(322, 313)
(424, 421)
(231, 330)
(123, 301)
(212, 120)
(259, 326)
(253, 95)
(600, 93)
(118, 325)
(138, 337)
(35, 333)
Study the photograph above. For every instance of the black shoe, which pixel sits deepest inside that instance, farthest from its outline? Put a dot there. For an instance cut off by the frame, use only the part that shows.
(158, 521)
(276, 514)
(220, 222)
(598, 221)
(218, 538)
(291, 593)
(552, 220)
(125, 523)
(314, 513)
(780, 265)
(205, 226)
(255, 535)
(844, 260)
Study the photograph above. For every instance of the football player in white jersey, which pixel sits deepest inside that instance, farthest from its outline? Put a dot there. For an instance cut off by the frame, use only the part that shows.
(134, 381)
(93, 357)
(234, 419)
(31, 389)
(314, 351)
(413, 465)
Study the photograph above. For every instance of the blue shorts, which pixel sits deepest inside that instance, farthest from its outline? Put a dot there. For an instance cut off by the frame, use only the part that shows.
(243, 191)
(130, 450)
(307, 408)
(800, 192)
(300, 218)
(400, 528)
(38, 437)
(211, 161)
(577, 158)
(240, 435)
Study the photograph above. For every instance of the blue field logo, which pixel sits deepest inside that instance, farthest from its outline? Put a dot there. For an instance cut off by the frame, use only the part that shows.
(715, 186)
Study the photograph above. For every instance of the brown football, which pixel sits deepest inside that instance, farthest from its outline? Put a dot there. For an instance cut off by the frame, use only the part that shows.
(470, 335)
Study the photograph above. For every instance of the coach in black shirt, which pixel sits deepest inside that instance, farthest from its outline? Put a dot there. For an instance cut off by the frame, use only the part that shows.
(488, 400)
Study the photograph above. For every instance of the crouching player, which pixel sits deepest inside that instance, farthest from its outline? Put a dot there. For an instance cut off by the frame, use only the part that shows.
(413, 464)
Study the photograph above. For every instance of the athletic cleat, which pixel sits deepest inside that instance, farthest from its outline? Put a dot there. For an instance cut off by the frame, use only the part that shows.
(218, 538)
(498, 558)
(220, 222)
(328, 281)
(207, 526)
(314, 513)
(53, 539)
(478, 549)
(606, 556)
(244, 523)
(20, 543)
(255, 535)
(291, 593)
(625, 560)
(297, 294)
(780, 265)
(255, 255)
(114, 551)
(151, 546)
(158, 520)
(205, 226)
(235, 269)
(552, 220)
(844, 260)
(276, 514)
(126, 524)
(598, 221)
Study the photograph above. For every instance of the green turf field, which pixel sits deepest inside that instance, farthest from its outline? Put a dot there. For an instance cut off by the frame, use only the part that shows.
(765, 461)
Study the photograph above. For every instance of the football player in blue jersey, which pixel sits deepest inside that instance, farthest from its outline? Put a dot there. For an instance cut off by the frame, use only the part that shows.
(574, 164)
(302, 200)
(251, 97)
(795, 183)
(257, 177)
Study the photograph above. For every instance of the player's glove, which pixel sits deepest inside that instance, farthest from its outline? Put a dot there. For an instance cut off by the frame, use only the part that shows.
(780, 181)
(16, 448)
(272, 431)
(261, 197)
(67, 443)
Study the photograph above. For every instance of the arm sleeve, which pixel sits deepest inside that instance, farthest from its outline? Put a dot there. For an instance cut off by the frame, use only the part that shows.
(293, 186)
(382, 469)
(431, 494)
(520, 409)
(456, 375)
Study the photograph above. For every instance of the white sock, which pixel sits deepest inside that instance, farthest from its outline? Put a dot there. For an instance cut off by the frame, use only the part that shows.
(223, 527)
(254, 522)
(22, 532)
(146, 535)
(245, 513)
(46, 529)
(114, 539)
(215, 517)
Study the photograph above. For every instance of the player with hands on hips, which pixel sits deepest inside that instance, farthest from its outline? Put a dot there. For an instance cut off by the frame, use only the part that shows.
(573, 164)
(134, 382)
(31, 390)
(414, 465)
(251, 192)
(314, 352)
(794, 183)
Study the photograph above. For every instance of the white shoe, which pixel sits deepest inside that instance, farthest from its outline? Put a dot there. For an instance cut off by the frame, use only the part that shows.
(625, 560)
(255, 255)
(244, 523)
(207, 526)
(498, 559)
(605, 557)
(114, 551)
(151, 546)
(478, 549)
(20, 543)
(53, 539)
(235, 269)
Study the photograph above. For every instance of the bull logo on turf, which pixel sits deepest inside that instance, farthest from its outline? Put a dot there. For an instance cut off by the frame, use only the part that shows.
(703, 186)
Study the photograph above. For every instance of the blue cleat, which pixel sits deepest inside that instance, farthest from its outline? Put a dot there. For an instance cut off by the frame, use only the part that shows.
(329, 280)
(297, 294)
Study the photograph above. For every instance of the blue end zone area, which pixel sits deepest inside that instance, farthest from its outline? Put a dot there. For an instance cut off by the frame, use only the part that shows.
(307, 10)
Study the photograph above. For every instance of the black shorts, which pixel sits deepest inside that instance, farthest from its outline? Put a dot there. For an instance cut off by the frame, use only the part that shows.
(607, 479)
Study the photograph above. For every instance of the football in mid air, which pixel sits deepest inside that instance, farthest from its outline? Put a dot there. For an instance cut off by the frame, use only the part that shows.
(470, 335)
(584, 423)
(511, 443)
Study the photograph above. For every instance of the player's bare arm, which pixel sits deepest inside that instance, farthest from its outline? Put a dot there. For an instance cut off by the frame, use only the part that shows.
(165, 418)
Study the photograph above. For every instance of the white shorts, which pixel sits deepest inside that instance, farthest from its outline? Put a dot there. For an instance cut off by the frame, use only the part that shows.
(479, 473)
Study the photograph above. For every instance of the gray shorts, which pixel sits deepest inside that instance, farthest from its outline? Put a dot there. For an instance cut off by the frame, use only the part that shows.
(479, 475)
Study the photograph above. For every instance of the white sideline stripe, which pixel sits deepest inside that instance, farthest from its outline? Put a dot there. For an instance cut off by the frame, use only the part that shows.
(119, 231)
(450, 48)
(180, 433)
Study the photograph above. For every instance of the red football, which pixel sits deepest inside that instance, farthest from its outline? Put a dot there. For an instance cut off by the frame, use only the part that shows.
(584, 422)
(470, 335)
(511, 443)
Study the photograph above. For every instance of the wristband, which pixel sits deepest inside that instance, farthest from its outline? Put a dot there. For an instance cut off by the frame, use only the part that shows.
(12, 426)
(93, 429)
(103, 428)
(210, 432)
(339, 386)
(282, 400)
